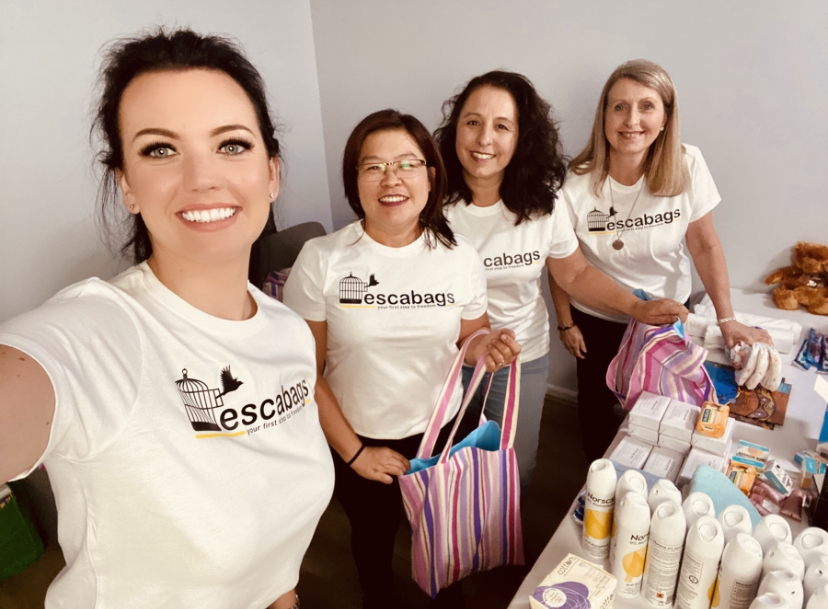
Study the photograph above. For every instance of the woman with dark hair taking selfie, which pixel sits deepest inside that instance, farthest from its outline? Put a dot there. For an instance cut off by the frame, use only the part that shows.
(505, 167)
(173, 405)
(389, 299)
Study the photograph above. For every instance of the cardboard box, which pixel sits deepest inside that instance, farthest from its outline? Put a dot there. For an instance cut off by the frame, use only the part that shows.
(648, 410)
(664, 463)
(755, 455)
(631, 452)
(717, 446)
(679, 420)
(642, 433)
(778, 478)
(680, 446)
(574, 584)
(694, 460)
(811, 462)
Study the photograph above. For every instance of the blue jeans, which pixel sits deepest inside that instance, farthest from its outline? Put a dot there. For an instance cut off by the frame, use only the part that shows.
(533, 381)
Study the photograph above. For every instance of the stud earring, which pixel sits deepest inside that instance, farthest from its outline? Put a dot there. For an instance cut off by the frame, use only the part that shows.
(272, 196)
(132, 207)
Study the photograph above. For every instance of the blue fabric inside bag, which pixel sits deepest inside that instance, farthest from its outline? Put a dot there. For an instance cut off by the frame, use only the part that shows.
(678, 326)
(485, 437)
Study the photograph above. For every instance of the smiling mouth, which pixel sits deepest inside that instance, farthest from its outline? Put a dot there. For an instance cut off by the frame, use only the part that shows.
(203, 216)
(630, 135)
(393, 199)
(482, 156)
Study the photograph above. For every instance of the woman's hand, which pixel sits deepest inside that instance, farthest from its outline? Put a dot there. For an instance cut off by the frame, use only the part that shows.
(380, 463)
(573, 340)
(734, 332)
(659, 312)
(499, 346)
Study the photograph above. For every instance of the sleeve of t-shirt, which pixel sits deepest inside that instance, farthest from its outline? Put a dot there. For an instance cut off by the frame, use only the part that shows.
(90, 348)
(705, 195)
(478, 303)
(564, 240)
(304, 289)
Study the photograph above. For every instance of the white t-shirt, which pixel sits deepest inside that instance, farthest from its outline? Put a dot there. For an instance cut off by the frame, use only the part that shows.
(393, 317)
(654, 257)
(186, 455)
(514, 258)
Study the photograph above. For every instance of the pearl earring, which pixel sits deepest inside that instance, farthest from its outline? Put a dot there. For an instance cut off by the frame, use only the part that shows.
(272, 196)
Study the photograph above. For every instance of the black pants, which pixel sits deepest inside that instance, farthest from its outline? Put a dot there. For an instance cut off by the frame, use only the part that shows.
(599, 423)
(374, 510)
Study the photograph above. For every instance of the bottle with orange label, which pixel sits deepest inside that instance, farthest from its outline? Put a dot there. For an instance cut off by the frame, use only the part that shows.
(598, 508)
(632, 522)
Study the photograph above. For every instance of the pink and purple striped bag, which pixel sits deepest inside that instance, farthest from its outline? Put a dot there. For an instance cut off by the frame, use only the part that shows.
(659, 360)
(464, 510)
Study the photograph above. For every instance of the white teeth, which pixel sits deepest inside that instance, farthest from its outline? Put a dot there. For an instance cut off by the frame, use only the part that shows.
(481, 155)
(393, 199)
(208, 215)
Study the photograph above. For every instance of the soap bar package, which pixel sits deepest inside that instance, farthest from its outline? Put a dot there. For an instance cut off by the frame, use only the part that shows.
(717, 446)
(694, 460)
(642, 433)
(664, 463)
(648, 410)
(712, 419)
(679, 420)
(575, 584)
(631, 452)
(748, 453)
(680, 446)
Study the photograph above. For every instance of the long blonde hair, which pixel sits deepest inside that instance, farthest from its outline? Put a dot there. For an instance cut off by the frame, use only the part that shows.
(665, 170)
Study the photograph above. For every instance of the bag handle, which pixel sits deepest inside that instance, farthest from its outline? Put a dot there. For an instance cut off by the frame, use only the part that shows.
(438, 416)
(510, 409)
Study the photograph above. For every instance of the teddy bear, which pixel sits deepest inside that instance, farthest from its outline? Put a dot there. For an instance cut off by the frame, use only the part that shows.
(805, 282)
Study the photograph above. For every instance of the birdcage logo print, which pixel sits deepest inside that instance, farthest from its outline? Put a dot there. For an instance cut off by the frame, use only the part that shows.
(199, 402)
(597, 221)
(352, 289)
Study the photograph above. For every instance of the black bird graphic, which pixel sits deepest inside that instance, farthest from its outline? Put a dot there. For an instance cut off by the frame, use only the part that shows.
(372, 281)
(228, 383)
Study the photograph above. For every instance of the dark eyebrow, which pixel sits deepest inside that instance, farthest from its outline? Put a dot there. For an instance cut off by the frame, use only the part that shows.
(173, 134)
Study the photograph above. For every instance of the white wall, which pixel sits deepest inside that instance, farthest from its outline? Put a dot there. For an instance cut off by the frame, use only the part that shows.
(752, 78)
(49, 53)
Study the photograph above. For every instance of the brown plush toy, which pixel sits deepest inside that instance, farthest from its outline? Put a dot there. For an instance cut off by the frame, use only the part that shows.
(805, 282)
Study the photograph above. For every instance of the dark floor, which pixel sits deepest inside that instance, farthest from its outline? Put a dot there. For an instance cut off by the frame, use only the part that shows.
(328, 578)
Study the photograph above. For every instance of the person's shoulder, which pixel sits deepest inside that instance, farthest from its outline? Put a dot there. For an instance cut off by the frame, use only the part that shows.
(347, 235)
(692, 154)
(576, 182)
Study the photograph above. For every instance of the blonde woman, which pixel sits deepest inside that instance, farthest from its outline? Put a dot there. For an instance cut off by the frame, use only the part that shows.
(641, 204)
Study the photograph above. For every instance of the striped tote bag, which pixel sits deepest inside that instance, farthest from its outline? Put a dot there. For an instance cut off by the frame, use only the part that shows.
(659, 359)
(464, 504)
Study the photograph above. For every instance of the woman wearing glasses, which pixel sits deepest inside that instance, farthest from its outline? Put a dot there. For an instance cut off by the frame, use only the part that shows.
(389, 298)
(505, 166)
(640, 202)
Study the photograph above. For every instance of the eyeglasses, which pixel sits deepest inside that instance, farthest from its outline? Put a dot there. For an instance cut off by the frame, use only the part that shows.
(404, 168)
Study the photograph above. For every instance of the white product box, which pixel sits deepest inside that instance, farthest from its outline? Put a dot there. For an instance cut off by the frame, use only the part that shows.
(664, 463)
(573, 584)
(694, 459)
(631, 452)
(648, 410)
(642, 433)
(680, 446)
(679, 420)
(717, 446)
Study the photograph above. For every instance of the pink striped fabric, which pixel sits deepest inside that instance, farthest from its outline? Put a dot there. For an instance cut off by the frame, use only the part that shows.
(657, 359)
(465, 510)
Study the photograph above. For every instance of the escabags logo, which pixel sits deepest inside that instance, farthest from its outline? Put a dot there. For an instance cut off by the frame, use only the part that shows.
(201, 402)
(353, 293)
(504, 260)
(600, 223)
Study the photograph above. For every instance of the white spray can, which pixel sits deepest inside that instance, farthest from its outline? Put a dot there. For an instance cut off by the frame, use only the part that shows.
(772, 529)
(702, 552)
(696, 505)
(770, 600)
(661, 568)
(735, 519)
(811, 542)
(632, 518)
(785, 584)
(739, 573)
(631, 481)
(783, 557)
(816, 576)
(819, 599)
(662, 491)
(600, 500)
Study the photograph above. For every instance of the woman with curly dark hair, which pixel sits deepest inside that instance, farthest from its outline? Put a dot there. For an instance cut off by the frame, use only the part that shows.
(504, 161)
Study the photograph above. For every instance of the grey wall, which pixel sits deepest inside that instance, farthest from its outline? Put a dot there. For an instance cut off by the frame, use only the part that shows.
(49, 53)
(752, 78)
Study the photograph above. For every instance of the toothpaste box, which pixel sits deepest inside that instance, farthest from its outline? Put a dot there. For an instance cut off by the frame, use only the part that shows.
(648, 410)
(679, 420)
(631, 452)
(717, 446)
(664, 463)
(575, 584)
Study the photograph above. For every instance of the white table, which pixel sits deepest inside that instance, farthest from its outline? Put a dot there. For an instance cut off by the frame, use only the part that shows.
(803, 422)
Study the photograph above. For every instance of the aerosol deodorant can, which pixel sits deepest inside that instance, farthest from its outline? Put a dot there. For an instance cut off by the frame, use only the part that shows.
(739, 573)
(632, 529)
(735, 519)
(702, 552)
(696, 505)
(661, 568)
(631, 481)
(598, 508)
